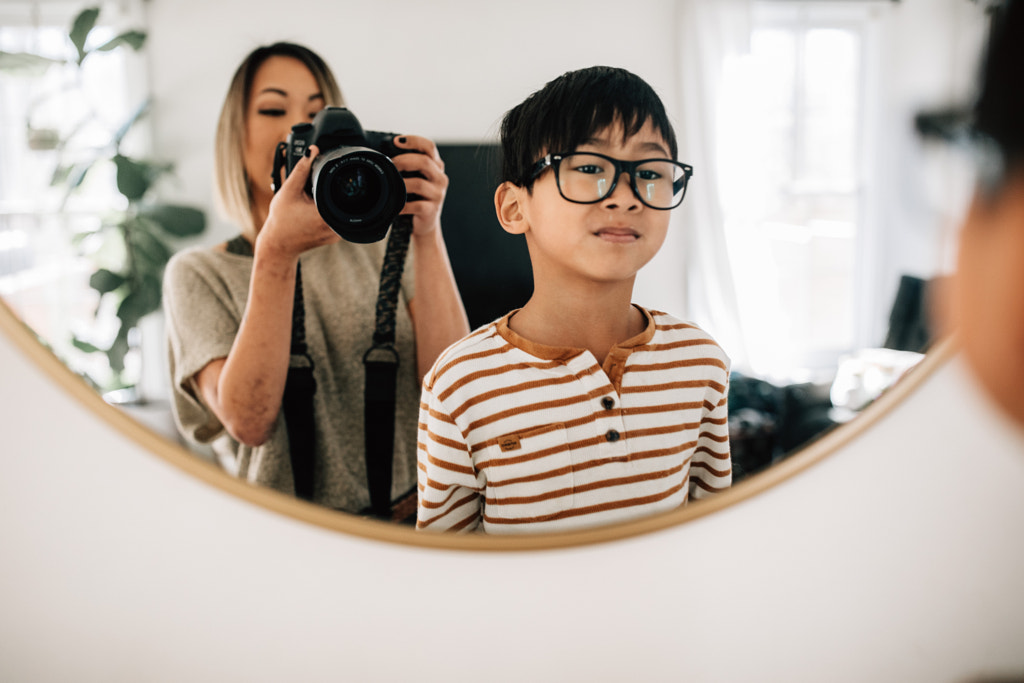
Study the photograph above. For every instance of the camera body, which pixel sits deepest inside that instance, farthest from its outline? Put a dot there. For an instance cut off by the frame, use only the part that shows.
(356, 187)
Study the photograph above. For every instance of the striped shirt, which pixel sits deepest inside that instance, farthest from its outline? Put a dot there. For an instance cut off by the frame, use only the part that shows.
(517, 437)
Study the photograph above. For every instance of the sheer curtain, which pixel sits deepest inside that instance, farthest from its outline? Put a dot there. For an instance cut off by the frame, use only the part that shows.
(691, 277)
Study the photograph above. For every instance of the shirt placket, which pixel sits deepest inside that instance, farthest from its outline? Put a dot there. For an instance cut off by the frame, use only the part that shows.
(609, 427)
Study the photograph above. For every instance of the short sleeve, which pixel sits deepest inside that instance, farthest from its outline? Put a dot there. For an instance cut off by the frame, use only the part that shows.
(202, 320)
(711, 467)
(450, 488)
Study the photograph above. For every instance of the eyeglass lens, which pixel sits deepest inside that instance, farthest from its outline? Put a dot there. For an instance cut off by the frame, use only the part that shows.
(589, 178)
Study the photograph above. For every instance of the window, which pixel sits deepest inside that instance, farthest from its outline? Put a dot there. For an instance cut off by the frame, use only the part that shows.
(792, 165)
(43, 229)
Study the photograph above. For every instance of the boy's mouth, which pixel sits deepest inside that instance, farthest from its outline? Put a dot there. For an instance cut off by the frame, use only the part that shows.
(621, 235)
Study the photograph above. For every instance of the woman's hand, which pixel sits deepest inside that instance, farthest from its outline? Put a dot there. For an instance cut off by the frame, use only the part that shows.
(294, 224)
(426, 212)
(439, 318)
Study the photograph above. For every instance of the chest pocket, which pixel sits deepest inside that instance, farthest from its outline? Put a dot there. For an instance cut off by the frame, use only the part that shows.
(529, 474)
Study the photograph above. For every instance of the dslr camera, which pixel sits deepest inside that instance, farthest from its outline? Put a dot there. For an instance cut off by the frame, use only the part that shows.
(356, 187)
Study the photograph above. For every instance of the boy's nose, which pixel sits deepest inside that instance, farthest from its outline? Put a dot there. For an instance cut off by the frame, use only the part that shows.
(617, 199)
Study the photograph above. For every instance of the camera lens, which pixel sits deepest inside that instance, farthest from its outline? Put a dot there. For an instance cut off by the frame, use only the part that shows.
(355, 190)
(358, 192)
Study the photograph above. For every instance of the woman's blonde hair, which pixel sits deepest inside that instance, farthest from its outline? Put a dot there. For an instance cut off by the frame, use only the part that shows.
(230, 178)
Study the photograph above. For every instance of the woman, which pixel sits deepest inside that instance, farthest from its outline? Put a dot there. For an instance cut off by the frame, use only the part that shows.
(229, 312)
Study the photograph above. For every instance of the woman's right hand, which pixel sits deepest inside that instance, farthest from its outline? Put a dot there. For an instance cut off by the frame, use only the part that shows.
(294, 225)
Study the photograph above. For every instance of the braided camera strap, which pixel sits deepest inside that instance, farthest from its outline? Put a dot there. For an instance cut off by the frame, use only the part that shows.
(381, 365)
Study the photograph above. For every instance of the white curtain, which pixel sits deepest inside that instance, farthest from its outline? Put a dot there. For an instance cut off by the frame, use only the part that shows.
(691, 277)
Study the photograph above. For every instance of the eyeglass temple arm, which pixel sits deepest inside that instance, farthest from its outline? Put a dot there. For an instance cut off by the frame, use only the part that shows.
(679, 184)
(548, 160)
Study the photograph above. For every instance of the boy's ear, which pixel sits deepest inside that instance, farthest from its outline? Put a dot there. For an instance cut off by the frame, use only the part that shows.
(508, 204)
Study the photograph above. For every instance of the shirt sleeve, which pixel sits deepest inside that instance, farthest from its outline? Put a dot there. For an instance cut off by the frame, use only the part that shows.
(450, 487)
(711, 466)
(201, 327)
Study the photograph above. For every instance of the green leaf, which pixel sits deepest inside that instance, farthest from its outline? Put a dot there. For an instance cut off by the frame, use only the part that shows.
(179, 221)
(119, 349)
(77, 175)
(133, 39)
(85, 346)
(80, 29)
(26, 64)
(60, 175)
(104, 280)
(133, 178)
(141, 301)
(149, 248)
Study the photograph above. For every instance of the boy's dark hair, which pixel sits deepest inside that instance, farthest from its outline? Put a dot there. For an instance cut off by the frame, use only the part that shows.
(999, 110)
(570, 110)
(993, 122)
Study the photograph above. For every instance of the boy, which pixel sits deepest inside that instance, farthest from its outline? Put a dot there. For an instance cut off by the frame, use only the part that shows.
(987, 294)
(580, 408)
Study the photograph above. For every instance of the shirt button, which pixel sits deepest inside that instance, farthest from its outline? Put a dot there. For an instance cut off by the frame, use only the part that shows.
(608, 402)
(612, 436)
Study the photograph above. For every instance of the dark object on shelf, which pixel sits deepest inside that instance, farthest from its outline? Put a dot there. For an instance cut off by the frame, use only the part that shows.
(769, 422)
(909, 325)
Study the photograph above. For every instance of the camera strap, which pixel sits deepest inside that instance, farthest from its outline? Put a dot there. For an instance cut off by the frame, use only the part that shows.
(381, 365)
(299, 388)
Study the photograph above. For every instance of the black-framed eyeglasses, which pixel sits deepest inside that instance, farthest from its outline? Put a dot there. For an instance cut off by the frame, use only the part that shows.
(588, 177)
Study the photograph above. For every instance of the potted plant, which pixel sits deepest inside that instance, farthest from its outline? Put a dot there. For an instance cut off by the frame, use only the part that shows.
(133, 242)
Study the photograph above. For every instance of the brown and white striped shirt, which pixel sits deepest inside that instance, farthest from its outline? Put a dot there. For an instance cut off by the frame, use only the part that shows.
(517, 437)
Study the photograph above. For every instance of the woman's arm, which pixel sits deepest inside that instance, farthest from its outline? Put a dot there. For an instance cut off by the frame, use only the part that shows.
(439, 318)
(245, 389)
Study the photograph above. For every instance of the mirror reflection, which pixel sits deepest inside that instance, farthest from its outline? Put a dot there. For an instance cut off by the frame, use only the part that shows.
(812, 233)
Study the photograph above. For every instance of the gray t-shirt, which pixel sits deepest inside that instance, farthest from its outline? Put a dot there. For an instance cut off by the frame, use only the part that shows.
(205, 291)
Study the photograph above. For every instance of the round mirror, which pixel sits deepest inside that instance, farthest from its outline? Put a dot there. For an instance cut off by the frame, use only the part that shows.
(26, 341)
(807, 270)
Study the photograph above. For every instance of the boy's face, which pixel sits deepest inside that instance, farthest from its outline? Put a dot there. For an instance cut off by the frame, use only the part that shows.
(987, 302)
(605, 242)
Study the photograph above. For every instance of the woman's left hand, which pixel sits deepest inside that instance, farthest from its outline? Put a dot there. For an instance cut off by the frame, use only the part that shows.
(425, 212)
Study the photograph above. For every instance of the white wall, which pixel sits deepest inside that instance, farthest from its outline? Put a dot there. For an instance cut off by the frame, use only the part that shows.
(447, 70)
(898, 558)
(450, 69)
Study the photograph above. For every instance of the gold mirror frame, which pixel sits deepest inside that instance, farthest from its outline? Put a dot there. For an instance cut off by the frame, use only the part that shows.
(177, 455)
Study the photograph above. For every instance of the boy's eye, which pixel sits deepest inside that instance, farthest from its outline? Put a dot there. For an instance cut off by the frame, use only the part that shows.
(590, 169)
(647, 174)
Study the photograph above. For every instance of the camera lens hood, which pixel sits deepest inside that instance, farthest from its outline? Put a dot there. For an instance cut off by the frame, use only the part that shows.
(358, 192)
